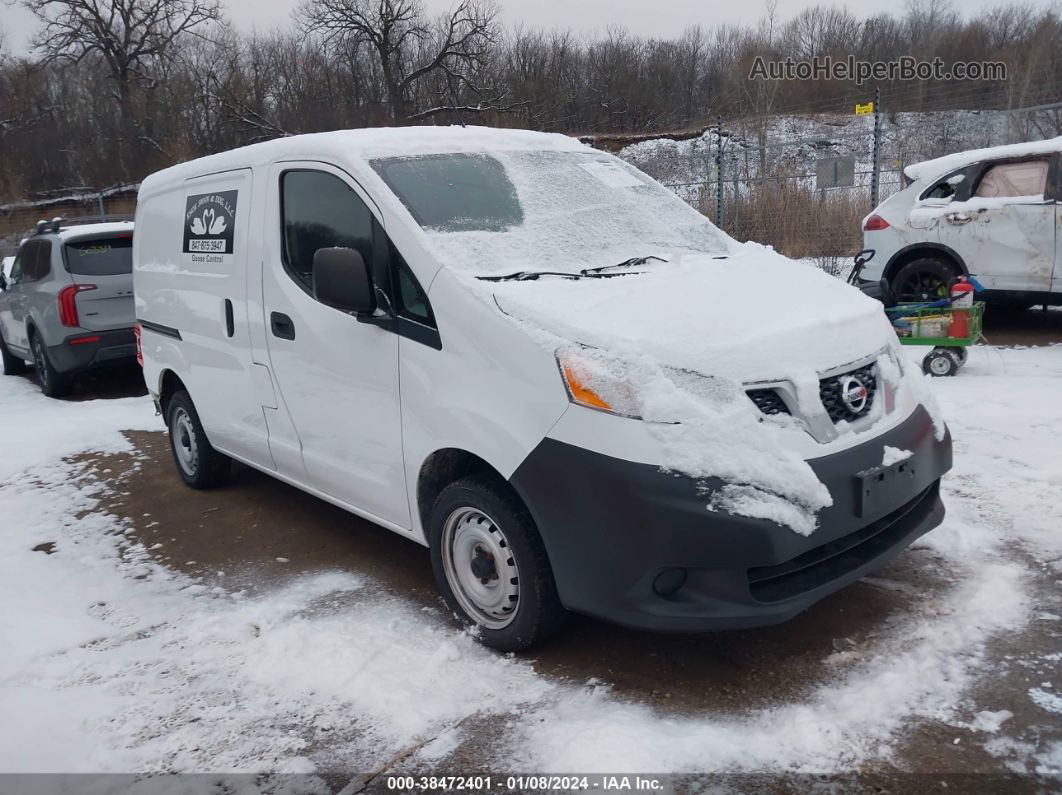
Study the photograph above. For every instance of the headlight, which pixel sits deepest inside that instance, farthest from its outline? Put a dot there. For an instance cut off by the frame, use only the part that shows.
(642, 390)
(593, 383)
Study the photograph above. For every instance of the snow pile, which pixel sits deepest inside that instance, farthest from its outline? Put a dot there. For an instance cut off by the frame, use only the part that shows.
(754, 316)
(991, 722)
(1046, 699)
(894, 455)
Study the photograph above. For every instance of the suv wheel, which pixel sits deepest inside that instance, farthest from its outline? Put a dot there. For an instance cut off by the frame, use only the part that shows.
(13, 365)
(925, 279)
(199, 464)
(491, 566)
(52, 383)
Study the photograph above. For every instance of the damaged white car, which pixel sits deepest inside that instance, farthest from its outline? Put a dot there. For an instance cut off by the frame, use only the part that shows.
(991, 213)
(535, 360)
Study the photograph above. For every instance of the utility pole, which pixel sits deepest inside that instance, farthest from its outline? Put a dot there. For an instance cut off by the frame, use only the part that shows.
(876, 171)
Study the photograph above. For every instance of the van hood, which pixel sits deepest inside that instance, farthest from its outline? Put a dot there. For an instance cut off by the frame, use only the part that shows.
(752, 316)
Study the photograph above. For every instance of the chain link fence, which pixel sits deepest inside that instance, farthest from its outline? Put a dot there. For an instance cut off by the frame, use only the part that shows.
(764, 183)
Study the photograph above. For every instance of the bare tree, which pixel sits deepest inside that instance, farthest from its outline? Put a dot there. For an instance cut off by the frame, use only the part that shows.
(408, 49)
(129, 36)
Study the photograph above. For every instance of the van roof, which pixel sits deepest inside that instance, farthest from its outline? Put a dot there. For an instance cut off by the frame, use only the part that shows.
(370, 143)
(931, 169)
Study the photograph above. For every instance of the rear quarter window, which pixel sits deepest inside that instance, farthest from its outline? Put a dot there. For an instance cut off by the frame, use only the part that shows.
(112, 256)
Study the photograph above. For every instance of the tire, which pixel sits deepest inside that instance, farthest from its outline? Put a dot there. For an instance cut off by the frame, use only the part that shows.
(52, 383)
(13, 365)
(960, 354)
(924, 279)
(474, 522)
(940, 363)
(198, 464)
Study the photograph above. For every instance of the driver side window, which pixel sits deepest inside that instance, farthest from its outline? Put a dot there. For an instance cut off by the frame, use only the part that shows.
(319, 210)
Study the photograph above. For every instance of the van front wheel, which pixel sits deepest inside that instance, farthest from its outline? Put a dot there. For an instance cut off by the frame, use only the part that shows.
(491, 566)
(199, 464)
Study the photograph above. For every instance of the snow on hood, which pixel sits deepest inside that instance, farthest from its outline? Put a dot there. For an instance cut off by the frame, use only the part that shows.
(938, 167)
(755, 316)
(675, 343)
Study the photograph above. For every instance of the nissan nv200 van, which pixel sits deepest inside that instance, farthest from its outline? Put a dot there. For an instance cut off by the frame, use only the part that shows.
(540, 363)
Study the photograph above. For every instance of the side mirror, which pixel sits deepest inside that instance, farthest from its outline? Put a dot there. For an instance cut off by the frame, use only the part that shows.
(341, 280)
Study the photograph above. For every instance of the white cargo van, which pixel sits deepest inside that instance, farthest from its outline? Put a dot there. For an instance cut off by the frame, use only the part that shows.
(537, 361)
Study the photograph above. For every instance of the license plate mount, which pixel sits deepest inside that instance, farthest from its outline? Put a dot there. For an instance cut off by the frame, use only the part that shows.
(883, 487)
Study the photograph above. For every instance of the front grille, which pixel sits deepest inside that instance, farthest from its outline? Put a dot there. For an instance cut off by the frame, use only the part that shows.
(831, 389)
(768, 401)
(832, 560)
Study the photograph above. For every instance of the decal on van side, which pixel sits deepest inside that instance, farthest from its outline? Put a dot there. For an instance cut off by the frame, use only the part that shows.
(209, 225)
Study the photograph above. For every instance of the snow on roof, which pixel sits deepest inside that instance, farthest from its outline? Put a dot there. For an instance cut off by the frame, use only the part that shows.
(86, 230)
(369, 143)
(938, 167)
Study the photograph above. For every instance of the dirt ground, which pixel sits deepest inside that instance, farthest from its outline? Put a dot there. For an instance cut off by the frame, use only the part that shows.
(258, 532)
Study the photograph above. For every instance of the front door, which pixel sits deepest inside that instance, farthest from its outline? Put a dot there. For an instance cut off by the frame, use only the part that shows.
(1007, 237)
(337, 378)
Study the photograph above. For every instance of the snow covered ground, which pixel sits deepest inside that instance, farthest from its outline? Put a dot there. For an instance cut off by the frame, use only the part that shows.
(115, 662)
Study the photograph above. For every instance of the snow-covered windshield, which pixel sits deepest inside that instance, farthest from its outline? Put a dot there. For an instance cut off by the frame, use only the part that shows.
(532, 210)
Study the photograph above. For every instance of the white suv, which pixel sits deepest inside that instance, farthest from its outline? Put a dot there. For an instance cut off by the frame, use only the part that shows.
(993, 213)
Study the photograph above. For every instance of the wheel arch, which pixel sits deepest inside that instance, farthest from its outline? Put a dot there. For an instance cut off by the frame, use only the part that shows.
(440, 469)
(169, 384)
(918, 251)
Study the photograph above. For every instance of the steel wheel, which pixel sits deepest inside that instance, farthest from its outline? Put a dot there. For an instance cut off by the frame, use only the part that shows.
(185, 447)
(480, 568)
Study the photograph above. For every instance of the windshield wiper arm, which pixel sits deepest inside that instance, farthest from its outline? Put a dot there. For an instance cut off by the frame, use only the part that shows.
(633, 262)
(529, 276)
(588, 273)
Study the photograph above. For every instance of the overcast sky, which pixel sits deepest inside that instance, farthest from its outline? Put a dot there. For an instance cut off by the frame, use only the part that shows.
(648, 17)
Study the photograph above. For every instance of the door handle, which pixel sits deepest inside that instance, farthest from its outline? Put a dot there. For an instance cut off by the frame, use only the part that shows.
(230, 322)
(282, 326)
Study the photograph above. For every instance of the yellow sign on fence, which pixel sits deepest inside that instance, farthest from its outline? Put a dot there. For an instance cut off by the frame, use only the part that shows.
(864, 110)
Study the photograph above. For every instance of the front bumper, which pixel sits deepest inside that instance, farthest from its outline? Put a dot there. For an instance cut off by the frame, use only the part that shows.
(114, 347)
(611, 527)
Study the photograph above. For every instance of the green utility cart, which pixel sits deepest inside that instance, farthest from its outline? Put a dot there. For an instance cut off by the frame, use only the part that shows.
(948, 329)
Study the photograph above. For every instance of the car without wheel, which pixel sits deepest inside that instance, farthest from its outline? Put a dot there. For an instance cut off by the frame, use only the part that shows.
(991, 213)
(67, 304)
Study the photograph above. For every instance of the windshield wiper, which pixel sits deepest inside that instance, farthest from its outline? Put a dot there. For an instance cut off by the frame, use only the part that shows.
(586, 273)
(633, 262)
